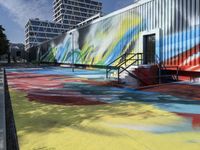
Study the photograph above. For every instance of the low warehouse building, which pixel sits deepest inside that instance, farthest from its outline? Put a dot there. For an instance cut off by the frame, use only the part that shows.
(165, 32)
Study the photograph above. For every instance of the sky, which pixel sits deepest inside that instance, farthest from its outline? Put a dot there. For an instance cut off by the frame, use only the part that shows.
(14, 14)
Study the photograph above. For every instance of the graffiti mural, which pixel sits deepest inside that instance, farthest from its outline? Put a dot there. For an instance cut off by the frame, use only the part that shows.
(106, 38)
(103, 44)
(58, 51)
(97, 44)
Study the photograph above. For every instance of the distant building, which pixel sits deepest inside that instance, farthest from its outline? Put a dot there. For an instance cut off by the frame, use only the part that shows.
(38, 31)
(17, 51)
(73, 12)
(67, 15)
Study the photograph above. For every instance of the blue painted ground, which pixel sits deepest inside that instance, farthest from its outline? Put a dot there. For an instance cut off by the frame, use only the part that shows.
(110, 94)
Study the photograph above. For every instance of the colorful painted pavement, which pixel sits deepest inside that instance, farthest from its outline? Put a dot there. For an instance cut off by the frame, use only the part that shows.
(56, 108)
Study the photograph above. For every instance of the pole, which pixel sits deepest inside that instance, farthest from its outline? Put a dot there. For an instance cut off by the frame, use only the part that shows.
(106, 73)
(118, 75)
(177, 73)
(72, 37)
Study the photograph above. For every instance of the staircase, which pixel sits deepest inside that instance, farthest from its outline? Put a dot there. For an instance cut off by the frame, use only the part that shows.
(127, 78)
(122, 68)
(129, 69)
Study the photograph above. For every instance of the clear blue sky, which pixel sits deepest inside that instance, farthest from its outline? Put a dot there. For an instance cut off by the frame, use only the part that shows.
(15, 13)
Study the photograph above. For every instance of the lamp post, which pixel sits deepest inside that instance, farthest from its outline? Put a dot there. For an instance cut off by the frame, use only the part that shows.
(72, 44)
(9, 52)
(38, 54)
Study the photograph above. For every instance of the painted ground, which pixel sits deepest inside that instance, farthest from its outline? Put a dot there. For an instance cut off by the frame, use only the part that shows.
(56, 109)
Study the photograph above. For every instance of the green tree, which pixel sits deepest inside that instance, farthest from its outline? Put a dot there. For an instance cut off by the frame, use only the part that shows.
(4, 43)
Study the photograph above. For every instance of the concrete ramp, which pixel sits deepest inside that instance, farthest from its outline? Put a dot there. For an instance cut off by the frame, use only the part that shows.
(2, 113)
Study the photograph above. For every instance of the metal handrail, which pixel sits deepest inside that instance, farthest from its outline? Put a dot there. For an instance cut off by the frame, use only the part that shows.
(125, 69)
(119, 65)
(109, 67)
(177, 70)
(125, 61)
(135, 60)
(122, 63)
(163, 66)
(115, 60)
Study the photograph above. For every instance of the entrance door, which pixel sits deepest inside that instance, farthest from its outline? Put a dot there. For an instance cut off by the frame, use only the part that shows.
(149, 48)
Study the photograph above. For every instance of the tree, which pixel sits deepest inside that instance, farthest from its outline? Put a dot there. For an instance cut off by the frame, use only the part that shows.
(4, 43)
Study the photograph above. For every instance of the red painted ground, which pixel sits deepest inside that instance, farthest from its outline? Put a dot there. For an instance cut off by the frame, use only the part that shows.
(191, 92)
(180, 90)
(50, 88)
(194, 117)
(62, 97)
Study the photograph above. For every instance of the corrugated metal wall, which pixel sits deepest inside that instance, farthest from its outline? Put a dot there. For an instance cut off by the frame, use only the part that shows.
(179, 21)
(178, 42)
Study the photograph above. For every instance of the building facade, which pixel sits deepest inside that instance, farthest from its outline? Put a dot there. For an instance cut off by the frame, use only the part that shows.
(73, 12)
(67, 14)
(17, 52)
(38, 31)
(166, 32)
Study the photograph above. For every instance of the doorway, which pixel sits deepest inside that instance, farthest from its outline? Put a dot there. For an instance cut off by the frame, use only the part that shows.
(149, 48)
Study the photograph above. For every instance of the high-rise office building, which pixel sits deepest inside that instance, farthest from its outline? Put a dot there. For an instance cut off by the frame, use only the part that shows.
(67, 14)
(73, 12)
(38, 31)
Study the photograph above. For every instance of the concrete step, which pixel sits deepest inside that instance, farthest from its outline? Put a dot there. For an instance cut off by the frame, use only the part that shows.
(127, 79)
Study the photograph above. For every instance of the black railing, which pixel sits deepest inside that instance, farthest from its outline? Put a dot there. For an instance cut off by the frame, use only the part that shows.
(175, 76)
(163, 68)
(127, 58)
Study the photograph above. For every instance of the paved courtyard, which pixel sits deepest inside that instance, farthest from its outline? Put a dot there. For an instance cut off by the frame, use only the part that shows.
(56, 108)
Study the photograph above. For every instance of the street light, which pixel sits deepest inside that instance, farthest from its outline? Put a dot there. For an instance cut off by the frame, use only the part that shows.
(72, 44)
